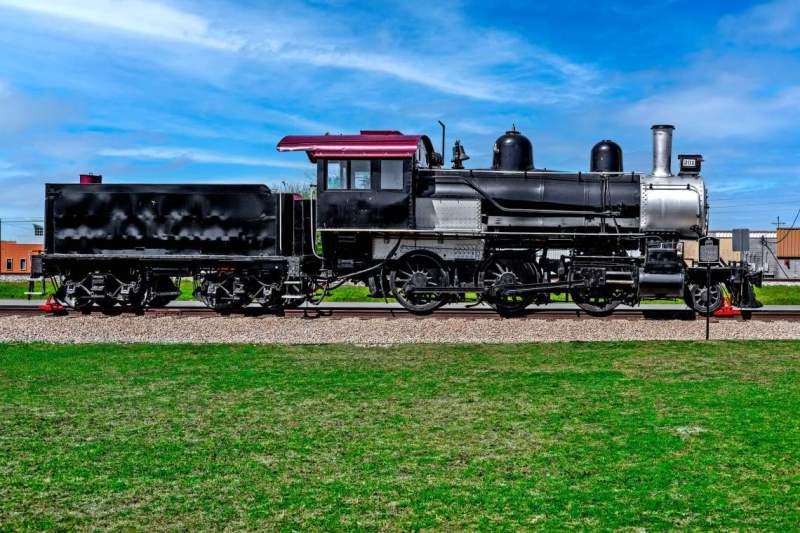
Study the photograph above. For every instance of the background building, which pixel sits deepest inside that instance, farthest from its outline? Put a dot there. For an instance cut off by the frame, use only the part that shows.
(15, 257)
(777, 254)
(788, 251)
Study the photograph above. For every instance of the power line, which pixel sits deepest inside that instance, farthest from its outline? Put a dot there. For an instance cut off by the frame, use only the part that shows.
(777, 261)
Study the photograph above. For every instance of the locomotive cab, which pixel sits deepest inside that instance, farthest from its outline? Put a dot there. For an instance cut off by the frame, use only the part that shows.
(364, 182)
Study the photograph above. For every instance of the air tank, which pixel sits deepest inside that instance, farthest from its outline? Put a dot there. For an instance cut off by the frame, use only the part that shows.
(512, 151)
(606, 157)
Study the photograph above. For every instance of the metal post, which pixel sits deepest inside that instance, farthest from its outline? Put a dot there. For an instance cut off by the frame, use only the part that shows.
(708, 300)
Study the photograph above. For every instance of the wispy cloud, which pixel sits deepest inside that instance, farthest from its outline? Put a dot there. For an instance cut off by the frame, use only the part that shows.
(478, 64)
(720, 106)
(21, 112)
(145, 18)
(6, 174)
(739, 186)
(10, 170)
(197, 156)
(773, 23)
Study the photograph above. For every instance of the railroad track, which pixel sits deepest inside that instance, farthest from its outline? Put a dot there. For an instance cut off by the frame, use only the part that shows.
(338, 311)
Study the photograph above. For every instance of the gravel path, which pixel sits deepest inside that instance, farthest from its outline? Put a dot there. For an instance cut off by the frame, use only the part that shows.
(370, 331)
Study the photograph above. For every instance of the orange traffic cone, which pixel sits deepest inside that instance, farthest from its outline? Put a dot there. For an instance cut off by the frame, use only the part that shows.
(727, 308)
(51, 306)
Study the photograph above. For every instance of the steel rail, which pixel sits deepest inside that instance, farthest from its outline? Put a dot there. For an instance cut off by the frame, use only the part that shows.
(322, 312)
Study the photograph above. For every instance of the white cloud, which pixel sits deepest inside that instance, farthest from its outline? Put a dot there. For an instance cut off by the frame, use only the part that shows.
(142, 17)
(6, 174)
(775, 23)
(450, 77)
(20, 112)
(198, 156)
(719, 110)
(465, 68)
(730, 186)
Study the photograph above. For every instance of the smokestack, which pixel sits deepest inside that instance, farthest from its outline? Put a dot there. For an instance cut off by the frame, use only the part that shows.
(662, 150)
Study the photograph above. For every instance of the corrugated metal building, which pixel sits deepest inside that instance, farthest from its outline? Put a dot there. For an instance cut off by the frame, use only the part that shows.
(788, 251)
(789, 243)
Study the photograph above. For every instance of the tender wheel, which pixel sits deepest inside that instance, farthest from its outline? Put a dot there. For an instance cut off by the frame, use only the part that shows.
(507, 271)
(222, 293)
(74, 295)
(696, 295)
(413, 272)
(162, 291)
(276, 303)
(595, 302)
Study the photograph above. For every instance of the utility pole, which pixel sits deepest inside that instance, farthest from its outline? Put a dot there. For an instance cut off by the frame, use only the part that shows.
(777, 223)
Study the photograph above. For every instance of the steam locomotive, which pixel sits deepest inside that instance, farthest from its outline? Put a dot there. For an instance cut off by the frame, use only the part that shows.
(388, 214)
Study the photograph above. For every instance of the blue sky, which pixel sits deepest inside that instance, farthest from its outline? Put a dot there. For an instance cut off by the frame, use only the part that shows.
(194, 91)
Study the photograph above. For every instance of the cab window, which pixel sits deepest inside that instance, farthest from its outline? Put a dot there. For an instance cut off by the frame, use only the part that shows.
(336, 175)
(391, 174)
(360, 174)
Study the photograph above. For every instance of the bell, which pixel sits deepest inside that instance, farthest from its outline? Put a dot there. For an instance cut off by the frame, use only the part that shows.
(459, 155)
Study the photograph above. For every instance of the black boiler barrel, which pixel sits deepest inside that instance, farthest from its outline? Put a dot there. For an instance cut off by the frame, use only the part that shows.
(551, 192)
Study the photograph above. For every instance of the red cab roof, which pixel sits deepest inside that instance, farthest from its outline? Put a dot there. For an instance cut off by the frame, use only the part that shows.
(367, 145)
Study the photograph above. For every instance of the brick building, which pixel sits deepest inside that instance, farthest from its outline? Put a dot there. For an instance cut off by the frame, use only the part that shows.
(15, 257)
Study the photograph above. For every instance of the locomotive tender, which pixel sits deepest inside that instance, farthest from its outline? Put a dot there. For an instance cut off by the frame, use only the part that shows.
(128, 246)
(390, 215)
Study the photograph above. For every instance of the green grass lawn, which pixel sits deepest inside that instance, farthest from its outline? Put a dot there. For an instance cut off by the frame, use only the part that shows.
(768, 295)
(580, 435)
(15, 290)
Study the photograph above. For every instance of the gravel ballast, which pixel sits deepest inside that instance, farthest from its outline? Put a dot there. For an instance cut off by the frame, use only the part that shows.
(269, 330)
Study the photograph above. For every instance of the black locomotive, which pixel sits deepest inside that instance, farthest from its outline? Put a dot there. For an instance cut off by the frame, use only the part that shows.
(390, 215)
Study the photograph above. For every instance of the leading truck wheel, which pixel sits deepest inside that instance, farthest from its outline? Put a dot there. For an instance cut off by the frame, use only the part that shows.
(411, 275)
(697, 295)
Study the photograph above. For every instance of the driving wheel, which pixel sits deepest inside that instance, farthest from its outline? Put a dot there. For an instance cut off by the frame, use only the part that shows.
(412, 274)
(594, 301)
(499, 272)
